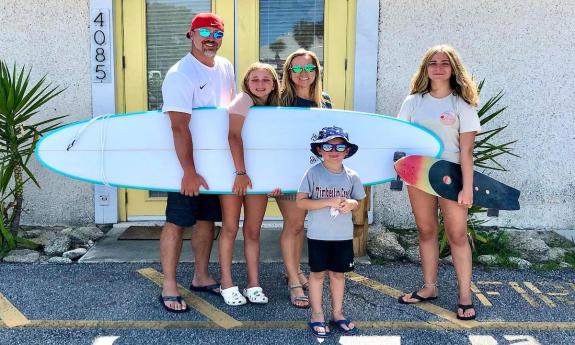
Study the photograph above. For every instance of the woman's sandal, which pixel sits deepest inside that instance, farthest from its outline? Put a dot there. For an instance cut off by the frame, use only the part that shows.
(465, 307)
(232, 296)
(304, 286)
(338, 324)
(294, 299)
(417, 297)
(319, 334)
(255, 295)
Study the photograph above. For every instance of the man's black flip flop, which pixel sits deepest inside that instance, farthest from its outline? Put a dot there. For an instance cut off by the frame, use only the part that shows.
(178, 299)
(415, 296)
(213, 288)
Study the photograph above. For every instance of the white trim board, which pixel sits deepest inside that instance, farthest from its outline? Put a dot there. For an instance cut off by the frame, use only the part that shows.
(365, 69)
(104, 102)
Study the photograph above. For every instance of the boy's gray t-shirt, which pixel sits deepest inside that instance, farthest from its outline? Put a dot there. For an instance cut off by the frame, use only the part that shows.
(320, 183)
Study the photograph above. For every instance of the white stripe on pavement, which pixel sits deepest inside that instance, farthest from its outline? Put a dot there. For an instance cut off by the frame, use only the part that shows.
(370, 340)
(107, 340)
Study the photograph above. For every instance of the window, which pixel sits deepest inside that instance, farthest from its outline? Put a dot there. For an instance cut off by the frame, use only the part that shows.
(166, 24)
(287, 25)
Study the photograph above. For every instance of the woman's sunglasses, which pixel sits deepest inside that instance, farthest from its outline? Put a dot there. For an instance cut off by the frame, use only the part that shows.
(205, 33)
(298, 68)
(330, 147)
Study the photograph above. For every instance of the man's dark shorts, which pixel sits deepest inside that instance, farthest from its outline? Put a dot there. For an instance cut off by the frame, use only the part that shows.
(185, 210)
(335, 256)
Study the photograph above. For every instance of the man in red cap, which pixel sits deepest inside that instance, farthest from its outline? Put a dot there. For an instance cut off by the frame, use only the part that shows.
(199, 79)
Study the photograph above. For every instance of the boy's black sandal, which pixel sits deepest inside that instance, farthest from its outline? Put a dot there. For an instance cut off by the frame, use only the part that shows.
(339, 326)
(313, 325)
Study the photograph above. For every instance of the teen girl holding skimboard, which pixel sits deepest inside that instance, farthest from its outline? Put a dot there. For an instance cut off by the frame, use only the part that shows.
(443, 98)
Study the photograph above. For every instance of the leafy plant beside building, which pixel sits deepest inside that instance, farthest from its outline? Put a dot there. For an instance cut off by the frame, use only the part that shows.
(20, 129)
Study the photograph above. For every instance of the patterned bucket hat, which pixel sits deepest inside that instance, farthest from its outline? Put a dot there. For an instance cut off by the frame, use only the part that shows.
(328, 133)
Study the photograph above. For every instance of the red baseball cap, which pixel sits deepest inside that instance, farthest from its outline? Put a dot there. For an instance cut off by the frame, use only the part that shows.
(206, 20)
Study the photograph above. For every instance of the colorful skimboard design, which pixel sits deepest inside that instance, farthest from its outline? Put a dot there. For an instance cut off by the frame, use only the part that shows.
(443, 178)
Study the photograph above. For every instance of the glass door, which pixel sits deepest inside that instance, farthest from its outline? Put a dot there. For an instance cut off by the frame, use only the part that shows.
(265, 30)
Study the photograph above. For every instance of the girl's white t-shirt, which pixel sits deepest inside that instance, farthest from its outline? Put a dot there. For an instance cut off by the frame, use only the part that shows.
(191, 84)
(447, 117)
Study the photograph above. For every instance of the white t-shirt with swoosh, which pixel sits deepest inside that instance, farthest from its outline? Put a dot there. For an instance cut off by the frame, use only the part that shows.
(191, 84)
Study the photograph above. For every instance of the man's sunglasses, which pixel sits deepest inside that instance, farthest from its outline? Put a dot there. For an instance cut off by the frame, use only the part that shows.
(298, 68)
(330, 147)
(205, 33)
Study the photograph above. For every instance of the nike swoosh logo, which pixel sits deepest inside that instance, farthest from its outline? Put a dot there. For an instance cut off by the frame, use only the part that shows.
(201, 87)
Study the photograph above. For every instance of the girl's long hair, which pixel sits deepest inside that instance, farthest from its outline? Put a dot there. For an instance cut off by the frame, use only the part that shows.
(461, 81)
(273, 97)
(288, 91)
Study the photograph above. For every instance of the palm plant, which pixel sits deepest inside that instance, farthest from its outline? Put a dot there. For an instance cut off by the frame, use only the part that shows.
(20, 102)
(486, 155)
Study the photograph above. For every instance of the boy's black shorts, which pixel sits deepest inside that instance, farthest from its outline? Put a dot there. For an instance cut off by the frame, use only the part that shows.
(185, 210)
(335, 256)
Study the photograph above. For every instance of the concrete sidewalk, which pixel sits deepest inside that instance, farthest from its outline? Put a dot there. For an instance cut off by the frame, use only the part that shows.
(110, 249)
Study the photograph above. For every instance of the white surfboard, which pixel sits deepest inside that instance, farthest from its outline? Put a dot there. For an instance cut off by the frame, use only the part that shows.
(136, 150)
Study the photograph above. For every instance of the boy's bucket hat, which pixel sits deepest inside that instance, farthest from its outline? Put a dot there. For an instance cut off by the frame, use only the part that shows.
(328, 133)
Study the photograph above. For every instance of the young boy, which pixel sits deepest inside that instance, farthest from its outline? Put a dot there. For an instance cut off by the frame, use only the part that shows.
(330, 191)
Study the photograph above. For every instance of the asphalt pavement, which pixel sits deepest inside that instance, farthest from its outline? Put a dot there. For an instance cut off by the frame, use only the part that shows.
(117, 303)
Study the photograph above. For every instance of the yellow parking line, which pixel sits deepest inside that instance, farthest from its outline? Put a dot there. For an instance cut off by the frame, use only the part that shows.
(484, 282)
(541, 326)
(121, 324)
(565, 299)
(538, 292)
(432, 308)
(10, 315)
(216, 315)
(481, 297)
(523, 294)
(293, 325)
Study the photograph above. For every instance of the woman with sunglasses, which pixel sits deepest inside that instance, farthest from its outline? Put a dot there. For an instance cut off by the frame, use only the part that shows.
(301, 87)
(443, 98)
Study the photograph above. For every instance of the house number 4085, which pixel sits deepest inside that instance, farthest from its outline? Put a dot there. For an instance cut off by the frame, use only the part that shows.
(100, 30)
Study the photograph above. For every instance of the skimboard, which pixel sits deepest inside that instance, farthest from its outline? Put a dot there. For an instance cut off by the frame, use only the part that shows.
(443, 178)
(136, 150)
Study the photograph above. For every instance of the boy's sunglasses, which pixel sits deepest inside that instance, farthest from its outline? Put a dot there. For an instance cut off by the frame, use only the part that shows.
(298, 68)
(331, 147)
(205, 33)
